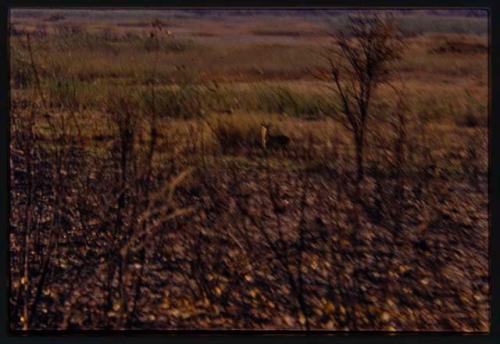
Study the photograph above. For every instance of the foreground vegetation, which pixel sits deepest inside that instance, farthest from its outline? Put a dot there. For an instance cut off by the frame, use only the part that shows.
(142, 198)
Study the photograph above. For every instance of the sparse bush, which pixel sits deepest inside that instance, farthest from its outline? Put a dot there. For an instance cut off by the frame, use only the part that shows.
(360, 62)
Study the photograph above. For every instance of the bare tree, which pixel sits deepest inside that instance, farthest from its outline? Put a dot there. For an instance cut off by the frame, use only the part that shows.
(361, 61)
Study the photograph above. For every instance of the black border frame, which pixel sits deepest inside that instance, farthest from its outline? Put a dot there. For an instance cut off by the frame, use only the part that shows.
(188, 336)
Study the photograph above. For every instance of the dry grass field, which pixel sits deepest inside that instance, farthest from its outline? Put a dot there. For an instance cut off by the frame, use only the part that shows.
(142, 196)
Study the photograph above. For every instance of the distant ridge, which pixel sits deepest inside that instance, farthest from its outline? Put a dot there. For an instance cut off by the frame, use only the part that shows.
(275, 11)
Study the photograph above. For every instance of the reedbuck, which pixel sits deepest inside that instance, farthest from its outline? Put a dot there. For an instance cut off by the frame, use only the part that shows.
(272, 141)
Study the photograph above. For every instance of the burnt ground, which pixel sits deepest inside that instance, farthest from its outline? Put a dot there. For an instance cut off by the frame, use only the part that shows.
(280, 249)
(422, 267)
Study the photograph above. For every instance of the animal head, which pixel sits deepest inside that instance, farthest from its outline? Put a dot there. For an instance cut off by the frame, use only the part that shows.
(265, 125)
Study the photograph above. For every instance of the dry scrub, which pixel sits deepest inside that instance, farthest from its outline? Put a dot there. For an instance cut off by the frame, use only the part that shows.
(141, 196)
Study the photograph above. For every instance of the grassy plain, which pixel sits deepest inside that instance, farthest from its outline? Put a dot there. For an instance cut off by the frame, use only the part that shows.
(142, 198)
